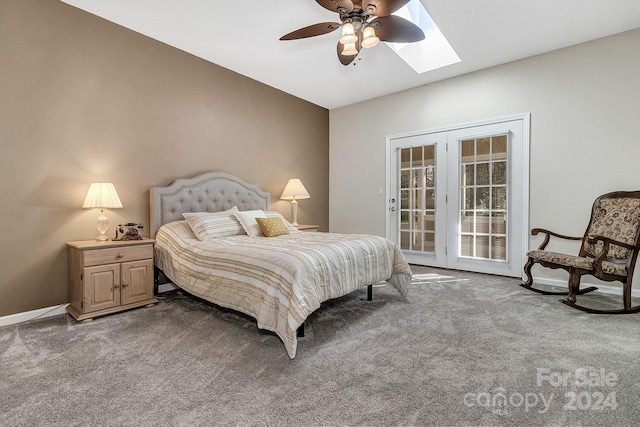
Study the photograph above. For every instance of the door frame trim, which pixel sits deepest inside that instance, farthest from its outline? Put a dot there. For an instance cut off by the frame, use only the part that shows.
(526, 139)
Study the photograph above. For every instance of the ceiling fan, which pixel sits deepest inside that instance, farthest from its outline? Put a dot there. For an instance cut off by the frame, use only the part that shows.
(364, 24)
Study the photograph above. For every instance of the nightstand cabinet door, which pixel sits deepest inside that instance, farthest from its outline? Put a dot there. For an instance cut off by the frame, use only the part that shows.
(135, 279)
(108, 277)
(101, 287)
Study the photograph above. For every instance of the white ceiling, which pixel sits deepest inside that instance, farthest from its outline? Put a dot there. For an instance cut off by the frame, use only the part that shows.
(242, 35)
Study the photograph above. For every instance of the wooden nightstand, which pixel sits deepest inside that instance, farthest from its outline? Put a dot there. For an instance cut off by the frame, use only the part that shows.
(308, 228)
(107, 277)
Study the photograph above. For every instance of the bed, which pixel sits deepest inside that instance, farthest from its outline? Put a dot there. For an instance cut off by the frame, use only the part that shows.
(209, 243)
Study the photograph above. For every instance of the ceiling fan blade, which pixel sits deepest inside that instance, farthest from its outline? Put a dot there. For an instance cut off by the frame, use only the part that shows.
(382, 7)
(395, 29)
(334, 5)
(312, 31)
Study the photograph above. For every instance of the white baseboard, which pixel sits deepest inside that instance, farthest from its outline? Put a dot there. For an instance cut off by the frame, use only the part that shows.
(55, 310)
(33, 315)
(602, 288)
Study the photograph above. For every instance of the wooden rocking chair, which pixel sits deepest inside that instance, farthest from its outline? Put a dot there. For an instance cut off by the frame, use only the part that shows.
(609, 250)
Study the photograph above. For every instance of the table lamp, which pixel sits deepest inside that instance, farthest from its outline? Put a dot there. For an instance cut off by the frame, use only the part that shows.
(294, 191)
(102, 195)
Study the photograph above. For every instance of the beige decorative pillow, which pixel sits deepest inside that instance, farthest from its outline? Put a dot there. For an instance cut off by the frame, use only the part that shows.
(248, 221)
(208, 226)
(272, 227)
(274, 214)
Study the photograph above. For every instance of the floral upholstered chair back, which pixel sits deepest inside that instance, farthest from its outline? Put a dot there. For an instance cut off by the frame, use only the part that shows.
(615, 218)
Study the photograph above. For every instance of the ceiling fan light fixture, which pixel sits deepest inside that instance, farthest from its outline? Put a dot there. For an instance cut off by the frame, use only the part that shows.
(364, 24)
(370, 39)
(349, 49)
(348, 34)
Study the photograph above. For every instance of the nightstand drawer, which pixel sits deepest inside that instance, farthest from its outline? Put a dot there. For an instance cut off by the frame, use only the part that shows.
(111, 255)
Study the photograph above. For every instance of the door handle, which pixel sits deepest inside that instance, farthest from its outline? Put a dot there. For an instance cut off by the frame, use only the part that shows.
(392, 209)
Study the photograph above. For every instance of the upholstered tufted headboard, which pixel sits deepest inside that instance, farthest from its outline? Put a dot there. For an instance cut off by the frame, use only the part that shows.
(210, 192)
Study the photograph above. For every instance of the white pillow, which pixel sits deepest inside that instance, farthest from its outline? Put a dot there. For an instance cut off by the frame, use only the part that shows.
(248, 221)
(208, 226)
(274, 214)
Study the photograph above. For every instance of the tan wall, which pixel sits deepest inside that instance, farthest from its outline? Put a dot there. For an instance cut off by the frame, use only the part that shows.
(83, 100)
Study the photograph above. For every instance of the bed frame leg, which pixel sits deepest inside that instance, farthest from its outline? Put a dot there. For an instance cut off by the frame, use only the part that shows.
(156, 279)
(300, 332)
(370, 293)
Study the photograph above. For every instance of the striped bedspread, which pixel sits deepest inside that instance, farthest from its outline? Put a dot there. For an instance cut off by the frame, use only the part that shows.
(278, 280)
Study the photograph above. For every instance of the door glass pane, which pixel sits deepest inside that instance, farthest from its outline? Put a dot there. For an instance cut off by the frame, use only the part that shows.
(430, 221)
(482, 247)
(484, 198)
(404, 199)
(417, 198)
(482, 174)
(467, 151)
(430, 155)
(468, 198)
(416, 156)
(405, 158)
(483, 149)
(498, 223)
(430, 199)
(404, 221)
(499, 150)
(482, 222)
(429, 242)
(467, 222)
(499, 200)
(405, 239)
(430, 178)
(468, 175)
(405, 176)
(499, 173)
(466, 246)
(499, 248)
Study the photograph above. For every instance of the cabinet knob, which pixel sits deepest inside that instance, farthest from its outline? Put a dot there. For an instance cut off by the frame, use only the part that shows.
(125, 284)
(116, 285)
(120, 254)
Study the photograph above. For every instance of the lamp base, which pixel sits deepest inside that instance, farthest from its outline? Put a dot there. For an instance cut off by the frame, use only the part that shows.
(294, 213)
(103, 226)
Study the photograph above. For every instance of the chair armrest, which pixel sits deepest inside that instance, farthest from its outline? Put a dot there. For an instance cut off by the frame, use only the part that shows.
(609, 241)
(597, 262)
(548, 234)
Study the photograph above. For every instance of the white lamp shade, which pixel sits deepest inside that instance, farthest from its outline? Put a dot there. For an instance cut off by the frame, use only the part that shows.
(348, 34)
(370, 38)
(294, 190)
(349, 49)
(102, 195)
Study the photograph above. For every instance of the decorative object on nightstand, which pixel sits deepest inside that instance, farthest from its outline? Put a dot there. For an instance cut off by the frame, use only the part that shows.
(294, 191)
(307, 227)
(108, 277)
(102, 195)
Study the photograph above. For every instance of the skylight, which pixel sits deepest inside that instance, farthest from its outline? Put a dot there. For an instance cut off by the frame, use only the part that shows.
(429, 54)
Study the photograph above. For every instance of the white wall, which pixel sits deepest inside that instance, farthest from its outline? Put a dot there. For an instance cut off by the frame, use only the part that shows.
(585, 134)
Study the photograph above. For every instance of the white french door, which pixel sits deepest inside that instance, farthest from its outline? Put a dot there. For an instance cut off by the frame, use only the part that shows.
(417, 205)
(458, 196)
